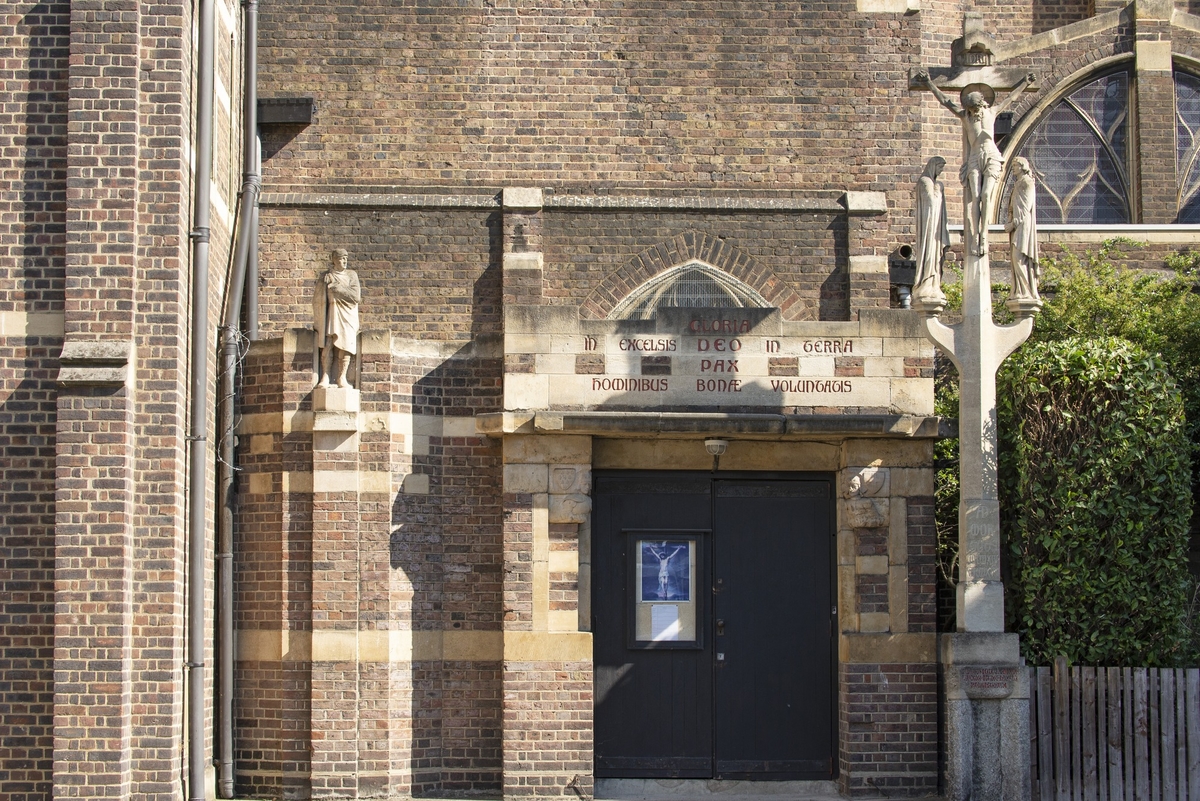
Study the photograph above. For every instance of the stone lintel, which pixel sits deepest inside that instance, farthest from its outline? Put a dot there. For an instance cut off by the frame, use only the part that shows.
(523, 261)
(529, 198)
(865, 203)
(757, 200)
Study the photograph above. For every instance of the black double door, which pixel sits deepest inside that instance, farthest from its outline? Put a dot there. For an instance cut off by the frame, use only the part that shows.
(713, 625)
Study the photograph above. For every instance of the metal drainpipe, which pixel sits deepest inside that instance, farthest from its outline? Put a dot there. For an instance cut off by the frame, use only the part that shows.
(198, 402)
(227, 493)
(252, 267)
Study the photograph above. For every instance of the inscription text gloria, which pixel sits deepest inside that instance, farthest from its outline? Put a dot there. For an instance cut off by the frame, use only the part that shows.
(720, 357)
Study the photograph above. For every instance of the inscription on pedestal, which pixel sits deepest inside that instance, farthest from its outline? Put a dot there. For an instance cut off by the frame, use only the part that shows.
(989, 682)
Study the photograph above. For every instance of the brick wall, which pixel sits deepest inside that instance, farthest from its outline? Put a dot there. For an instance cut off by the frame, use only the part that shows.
(428, 274)
(797, 261)
(34, 39)
(386, 534)
(725, 93)
(887, 715)
(593, 99)
(27, 458)
(93, 224)
(887, 670)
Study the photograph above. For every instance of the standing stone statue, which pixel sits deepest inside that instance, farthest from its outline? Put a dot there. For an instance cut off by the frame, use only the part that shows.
(335, 318)
(1022, 230)
(933, 235)
(982, 162)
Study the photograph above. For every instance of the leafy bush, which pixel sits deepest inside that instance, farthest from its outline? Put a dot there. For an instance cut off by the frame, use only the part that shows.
(1095, 498)
(1160, 311)
(945, 494)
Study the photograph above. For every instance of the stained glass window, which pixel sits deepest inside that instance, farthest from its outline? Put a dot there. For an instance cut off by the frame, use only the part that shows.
(1187, 145)
(1079, 155)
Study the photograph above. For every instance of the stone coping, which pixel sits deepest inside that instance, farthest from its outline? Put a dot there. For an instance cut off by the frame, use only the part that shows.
(717, 200)
(766, 426)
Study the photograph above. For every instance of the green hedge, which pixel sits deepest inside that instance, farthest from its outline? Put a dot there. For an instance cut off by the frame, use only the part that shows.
(1095, 498)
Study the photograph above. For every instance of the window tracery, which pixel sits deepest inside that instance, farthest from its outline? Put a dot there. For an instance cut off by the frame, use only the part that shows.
(692, 284)
(1079, 152)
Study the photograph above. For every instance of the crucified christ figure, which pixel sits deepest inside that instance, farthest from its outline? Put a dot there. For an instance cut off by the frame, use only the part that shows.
(664, 576)
(981, 159)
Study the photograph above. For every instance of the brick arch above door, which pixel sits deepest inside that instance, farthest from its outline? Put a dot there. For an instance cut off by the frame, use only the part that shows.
(688, 246)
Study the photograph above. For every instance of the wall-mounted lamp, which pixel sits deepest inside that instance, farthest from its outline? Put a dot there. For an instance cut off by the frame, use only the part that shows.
(716, 447)
(902, 267)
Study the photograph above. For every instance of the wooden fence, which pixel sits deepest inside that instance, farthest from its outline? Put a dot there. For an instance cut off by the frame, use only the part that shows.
(1114, 734)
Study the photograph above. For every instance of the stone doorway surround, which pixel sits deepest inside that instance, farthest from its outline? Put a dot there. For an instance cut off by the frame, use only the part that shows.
(887, 668)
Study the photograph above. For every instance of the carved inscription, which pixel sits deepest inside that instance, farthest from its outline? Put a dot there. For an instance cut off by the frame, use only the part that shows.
(829, 346)
(989, 682)
(719, 356)
(647, 345)
(819, 385)
(631, 384)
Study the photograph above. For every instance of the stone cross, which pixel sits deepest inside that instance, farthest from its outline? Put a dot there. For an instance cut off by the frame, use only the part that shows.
(977, 345)
(985, 684)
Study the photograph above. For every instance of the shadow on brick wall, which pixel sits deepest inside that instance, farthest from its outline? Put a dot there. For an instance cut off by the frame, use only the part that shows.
(27, 488)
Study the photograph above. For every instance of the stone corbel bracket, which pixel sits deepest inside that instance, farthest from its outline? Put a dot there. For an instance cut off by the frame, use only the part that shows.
(96, 363)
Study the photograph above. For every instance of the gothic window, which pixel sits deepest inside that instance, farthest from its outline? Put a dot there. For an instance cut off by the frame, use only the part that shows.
(1079, 154)
(693, 284)
(1187, 145)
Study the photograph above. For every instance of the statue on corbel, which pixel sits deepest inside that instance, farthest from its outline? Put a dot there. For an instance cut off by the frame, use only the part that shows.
(335, 321)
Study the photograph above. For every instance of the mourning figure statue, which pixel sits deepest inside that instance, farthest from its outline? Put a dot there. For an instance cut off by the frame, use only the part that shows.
(933, 235)
(335, 319)
(1022, 231)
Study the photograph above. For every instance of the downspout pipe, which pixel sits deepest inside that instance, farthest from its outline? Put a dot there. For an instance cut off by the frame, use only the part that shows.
(198, 401)
(252, 267)
(226, 392)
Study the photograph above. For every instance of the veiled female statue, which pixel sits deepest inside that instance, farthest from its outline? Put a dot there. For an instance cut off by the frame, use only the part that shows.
(933, 234)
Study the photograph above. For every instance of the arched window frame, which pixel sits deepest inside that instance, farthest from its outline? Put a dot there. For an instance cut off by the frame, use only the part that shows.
(1123, 162)
(1187, 152)
(736, 294)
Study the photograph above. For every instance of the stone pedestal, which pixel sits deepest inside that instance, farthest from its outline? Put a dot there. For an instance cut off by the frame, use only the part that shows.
(986, 689)
(335, 399)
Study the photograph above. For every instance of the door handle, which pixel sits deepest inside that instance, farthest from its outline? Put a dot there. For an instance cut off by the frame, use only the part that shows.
(720, 627)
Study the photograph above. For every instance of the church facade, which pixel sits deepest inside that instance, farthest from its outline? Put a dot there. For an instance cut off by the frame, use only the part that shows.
(631, 476)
